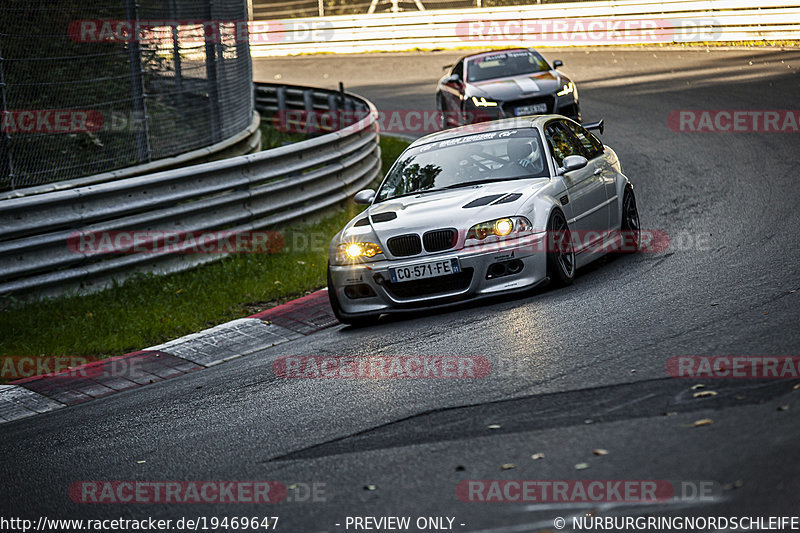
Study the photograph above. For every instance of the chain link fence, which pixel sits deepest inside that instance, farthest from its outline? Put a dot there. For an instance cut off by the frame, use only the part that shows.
(88, 86)
(268, 9)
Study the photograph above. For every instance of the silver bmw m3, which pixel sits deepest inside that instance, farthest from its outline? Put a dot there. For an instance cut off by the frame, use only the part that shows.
(482, 210)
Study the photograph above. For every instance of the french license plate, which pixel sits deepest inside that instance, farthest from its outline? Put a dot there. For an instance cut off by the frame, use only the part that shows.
(535, 109)
(425, 270)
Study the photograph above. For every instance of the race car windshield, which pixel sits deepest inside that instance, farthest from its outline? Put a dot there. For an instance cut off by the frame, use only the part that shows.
(464, 161)
(504, 64)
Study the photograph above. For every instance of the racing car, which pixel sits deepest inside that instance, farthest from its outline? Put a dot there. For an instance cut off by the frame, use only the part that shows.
(504, 83)
(482, 210)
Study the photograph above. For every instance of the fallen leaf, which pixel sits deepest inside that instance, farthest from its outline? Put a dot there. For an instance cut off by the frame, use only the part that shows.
(179, 291)
(581, 466)
(370, 487)
(493, 426)
(508, 466)
(703, 422)
(600, 451)
(740, 397)
(140, 462)
(633, 371)
(704, 394)
(796, 386)
(301, 262)
(698, 386)
(783, 408)
(537, 456)
(671, 413)
(292, 486)
(277, 282)
(734, 485)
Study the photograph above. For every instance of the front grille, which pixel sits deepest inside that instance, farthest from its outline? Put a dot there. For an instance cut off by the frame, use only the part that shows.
(405, 245)
(440, 239)
(508, 107)
(430, 286)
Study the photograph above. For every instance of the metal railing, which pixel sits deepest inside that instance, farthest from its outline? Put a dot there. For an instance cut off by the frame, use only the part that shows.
(569, 24)
(246, 193)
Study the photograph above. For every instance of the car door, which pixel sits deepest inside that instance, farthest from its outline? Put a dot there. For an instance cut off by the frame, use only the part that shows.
(595, 152)
(585, 189)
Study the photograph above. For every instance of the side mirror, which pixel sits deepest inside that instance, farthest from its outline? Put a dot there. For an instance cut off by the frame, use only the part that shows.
(558, 63)
(453, 78)
(364, 197)
(573, 162)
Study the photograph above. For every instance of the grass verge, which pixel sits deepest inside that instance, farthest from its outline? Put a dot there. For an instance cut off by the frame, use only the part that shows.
(149, 309)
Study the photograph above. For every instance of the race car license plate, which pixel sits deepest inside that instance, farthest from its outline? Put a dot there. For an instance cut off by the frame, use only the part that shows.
(425, 270)
(534, 109)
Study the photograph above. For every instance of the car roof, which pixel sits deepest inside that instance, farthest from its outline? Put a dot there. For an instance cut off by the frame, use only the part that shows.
(485, 127)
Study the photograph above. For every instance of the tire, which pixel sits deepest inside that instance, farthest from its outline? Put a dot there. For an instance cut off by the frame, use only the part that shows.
(630, 226)
(560, 254)
(339, 313)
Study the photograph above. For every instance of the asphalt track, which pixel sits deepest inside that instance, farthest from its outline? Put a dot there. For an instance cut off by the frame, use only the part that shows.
(573, 369)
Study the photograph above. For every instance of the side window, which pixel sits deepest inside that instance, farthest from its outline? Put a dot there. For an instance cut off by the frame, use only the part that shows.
(561, 142)
(459, 69)
(591, 145)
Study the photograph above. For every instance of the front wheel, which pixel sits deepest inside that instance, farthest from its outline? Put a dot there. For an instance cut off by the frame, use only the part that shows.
(560, 252)
(339, 313)
(631, 230)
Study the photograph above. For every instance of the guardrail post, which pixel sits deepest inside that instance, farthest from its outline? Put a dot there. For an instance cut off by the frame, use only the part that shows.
(333, 111)
(137, 90)
(281, 97)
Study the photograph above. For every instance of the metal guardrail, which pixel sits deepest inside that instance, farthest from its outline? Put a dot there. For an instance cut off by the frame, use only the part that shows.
(245, 193)
(568, 24)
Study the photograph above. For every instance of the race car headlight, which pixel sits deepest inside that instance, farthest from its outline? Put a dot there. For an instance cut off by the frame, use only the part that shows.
(354, 251)
(483, 102)
(566, 89)
(494, 230)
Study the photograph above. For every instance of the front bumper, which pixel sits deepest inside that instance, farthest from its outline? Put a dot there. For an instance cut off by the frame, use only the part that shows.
(566, 105)
(472, 283)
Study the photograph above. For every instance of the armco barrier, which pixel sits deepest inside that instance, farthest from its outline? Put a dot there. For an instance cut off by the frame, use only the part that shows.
(562, 24)
(245, 193)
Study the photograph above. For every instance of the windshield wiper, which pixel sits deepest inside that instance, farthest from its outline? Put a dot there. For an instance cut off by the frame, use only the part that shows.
(478, 182)
(412, 193)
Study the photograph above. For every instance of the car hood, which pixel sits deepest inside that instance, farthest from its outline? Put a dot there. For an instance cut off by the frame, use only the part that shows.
(457, 208)
(518, 86)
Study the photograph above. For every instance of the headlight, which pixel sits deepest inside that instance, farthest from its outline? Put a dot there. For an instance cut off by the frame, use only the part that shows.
(482, 102)
(353, 251)
(566, 89)
(495, 230)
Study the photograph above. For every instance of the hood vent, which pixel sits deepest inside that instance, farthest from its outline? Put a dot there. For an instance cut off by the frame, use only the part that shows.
(362, 222)
(384, 217)
(485, 200)
(507, 199)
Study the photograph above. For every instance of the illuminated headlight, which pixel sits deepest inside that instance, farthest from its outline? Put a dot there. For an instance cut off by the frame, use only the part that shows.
(354, 251)
(494, 230)
(482, 102)
(566, 89)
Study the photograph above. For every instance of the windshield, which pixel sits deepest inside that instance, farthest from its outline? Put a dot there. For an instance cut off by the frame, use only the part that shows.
(463, 161)
(503, 64)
